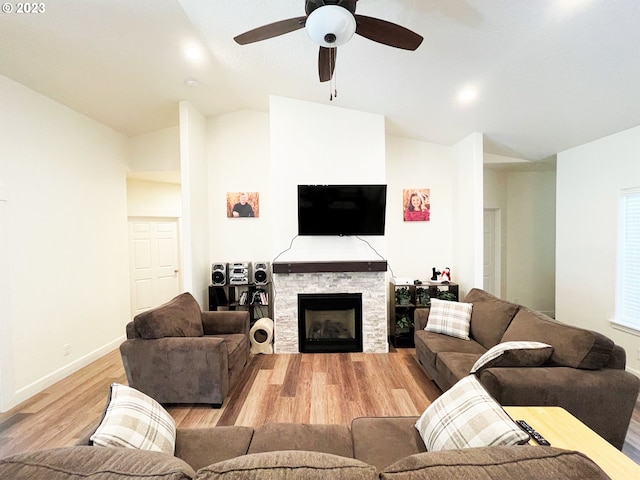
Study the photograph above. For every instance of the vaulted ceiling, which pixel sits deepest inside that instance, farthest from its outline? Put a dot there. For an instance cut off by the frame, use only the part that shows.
(548, 74)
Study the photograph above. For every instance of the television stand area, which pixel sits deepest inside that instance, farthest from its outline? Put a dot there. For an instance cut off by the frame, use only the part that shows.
(563, 430)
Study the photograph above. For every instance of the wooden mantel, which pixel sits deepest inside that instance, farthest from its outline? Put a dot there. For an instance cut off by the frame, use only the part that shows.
(330, 266)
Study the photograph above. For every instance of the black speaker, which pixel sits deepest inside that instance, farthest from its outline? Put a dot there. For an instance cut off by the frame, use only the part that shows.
(260, 273)
(219, 274)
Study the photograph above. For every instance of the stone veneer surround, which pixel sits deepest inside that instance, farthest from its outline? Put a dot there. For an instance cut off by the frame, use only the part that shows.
(288, 284)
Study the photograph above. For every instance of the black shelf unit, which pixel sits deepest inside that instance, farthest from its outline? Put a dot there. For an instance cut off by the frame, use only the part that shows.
(233, 297)
(403, 338)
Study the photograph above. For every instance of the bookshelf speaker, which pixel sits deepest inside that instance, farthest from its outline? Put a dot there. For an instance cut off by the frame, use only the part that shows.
(261, 273)
(219, 274)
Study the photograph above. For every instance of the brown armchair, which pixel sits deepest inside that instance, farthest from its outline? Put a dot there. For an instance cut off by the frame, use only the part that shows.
(176, 353)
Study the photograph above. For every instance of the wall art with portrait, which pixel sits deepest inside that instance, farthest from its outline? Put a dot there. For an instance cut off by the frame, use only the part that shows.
(416, 204)
(243, 204)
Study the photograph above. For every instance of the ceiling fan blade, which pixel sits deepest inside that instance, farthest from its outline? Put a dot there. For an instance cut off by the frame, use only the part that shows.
(271, 30)
(387, 33)
(326, 63)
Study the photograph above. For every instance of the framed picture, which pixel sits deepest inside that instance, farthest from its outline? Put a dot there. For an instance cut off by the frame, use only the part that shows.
(243, 204)
(416, 204)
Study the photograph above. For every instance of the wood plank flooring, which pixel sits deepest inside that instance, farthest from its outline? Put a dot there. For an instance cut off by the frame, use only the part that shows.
(309, 388)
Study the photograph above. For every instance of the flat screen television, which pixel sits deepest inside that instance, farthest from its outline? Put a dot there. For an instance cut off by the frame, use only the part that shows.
(341, 209)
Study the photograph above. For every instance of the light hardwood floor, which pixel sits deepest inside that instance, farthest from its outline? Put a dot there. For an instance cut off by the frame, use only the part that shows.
(309, 388)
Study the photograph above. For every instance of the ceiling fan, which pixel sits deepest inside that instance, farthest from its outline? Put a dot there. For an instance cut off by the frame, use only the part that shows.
(331, 23)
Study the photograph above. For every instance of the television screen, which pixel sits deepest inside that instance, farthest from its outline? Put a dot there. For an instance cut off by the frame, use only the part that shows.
(341, 209)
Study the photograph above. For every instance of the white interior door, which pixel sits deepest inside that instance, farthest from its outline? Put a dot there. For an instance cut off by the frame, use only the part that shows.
(155, 262)
(492, 248)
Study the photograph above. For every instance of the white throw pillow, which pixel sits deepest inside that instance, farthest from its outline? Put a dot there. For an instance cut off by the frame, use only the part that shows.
(135, 420)
(449, 318)
(514, 354)
(466, 416)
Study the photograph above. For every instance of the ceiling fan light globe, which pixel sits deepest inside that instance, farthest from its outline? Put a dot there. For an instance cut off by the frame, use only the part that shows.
(331, 26)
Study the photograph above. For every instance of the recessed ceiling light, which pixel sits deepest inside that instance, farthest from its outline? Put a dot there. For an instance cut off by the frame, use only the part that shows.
(193, 52)
(467, 95)
(190, 82)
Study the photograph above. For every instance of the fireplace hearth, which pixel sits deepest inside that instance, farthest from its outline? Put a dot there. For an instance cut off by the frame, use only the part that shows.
(330, 322)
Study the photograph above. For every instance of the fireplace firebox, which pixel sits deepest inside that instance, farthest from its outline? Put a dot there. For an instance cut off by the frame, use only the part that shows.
(330, 322)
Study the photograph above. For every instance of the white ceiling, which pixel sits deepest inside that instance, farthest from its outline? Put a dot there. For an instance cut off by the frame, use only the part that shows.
(550, 74)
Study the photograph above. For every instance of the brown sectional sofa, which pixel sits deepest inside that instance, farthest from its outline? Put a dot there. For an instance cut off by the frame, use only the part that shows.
(585, 374)
(371, 448)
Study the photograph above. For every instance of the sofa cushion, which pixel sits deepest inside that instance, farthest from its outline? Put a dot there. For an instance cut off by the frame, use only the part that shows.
(74, 463)
(514, 354)
(431, 344)
(466, 416)
(449, 318)
(333, 439)
(490, 317)
(490, 463)
(572, 346)
(400, 439)
(180, 317)
(134, 420)
(287, 465)
(453, 367)
(200, 447)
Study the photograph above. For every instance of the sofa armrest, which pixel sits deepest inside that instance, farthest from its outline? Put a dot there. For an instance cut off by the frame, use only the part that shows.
(178, 369)
(602, 399)
(225, 321)
(420, 318)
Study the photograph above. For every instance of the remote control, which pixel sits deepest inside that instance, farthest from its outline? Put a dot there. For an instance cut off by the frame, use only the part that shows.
(540, 440)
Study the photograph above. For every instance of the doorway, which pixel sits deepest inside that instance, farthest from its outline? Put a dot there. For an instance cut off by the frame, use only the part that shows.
(154, 253)
(492, 281)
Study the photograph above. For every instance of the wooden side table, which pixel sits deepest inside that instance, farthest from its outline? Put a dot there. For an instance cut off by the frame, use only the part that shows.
(563, 430)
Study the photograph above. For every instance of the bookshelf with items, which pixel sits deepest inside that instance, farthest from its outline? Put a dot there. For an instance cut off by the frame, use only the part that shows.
(251, 297)
(406, 297)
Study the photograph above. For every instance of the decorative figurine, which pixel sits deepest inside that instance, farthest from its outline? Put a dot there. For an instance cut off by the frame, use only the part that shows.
(446, 275)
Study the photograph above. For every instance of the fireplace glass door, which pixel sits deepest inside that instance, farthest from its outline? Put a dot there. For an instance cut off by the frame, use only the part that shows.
(330, 322)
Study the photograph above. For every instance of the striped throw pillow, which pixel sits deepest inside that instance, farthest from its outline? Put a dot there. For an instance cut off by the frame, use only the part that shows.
(466, 416)
(514, 354)
(449, 318)
(135, 420)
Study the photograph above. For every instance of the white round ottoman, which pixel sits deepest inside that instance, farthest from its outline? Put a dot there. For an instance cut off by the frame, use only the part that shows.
(261, 336)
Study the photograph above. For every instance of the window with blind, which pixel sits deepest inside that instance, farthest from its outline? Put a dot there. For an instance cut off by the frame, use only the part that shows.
(628, 281)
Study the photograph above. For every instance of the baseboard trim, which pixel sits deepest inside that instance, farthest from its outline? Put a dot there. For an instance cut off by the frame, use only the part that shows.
(39, 385)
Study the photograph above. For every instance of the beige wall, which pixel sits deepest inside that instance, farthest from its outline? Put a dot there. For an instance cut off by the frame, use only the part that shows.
(66, 273)
(589, 181)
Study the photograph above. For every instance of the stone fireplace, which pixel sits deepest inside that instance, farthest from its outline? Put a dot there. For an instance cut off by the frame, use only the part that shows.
(295, 280)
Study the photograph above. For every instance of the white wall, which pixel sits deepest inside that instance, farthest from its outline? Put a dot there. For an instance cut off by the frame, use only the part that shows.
(306, 143)
(66, 276)
(156, 151)
(195, 208)
(153, 199)
(589, 179)
(320, 144)
(238, 157)
(414, 248)
(531, 235)
(467, 234)
(526, 199)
